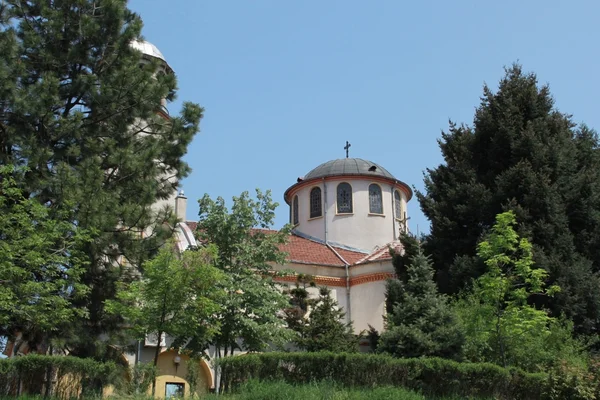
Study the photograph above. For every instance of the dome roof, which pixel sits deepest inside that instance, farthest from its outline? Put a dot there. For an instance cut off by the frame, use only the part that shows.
(149, 50)
(349, 166)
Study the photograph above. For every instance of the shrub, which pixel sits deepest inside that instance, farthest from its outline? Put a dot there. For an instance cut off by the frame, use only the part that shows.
(431, 376)
(573, 382)
(72, 376)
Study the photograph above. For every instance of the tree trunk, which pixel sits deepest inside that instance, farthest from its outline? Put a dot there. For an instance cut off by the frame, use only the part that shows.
(49, 373)
(156, 354)
(217, 369)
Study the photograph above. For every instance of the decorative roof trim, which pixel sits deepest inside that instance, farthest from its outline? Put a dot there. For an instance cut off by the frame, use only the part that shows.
(341, 281)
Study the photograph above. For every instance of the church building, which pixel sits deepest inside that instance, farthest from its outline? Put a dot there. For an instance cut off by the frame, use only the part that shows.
(347, 214)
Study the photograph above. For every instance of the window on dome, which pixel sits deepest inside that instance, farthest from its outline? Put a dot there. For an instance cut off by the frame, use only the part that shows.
(315, 202)
(295, 211)
(375, 200)
(344, 198)
(397, 204)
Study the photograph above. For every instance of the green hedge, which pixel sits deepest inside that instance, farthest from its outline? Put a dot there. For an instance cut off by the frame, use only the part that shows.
(431, 376)
(29, 374)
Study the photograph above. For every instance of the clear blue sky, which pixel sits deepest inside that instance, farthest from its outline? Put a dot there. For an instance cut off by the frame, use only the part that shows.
(286, 83)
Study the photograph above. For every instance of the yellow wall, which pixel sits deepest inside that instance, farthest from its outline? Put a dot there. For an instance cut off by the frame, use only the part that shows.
(167, 373)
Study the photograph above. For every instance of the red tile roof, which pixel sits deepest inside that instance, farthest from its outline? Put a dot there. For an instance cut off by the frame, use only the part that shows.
(306, 251)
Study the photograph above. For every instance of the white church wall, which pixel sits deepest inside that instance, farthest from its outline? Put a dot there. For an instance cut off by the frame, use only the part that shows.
(368, 305)
(359, 229)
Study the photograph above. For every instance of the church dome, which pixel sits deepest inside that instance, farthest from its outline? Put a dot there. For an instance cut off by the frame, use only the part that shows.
(149, 50)
(349, 166)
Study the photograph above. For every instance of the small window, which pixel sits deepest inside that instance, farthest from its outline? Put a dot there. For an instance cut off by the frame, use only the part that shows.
(315, 202)
(295, 211)
(375, 200)
(344, 198)
(397, 204)
(174, 390)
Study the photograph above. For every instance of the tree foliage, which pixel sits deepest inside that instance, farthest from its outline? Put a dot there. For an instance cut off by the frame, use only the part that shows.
(247, 250)
(419, 322)
(502, 327)
(177, 296)
(40, 267)
(325, 328)
(520, 154)
(80, 113)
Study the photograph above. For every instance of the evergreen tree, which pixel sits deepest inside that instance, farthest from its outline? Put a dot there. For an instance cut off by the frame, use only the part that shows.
(420, 323)
(521, 154)
(325, 329)
(401, 260)
(81, 114)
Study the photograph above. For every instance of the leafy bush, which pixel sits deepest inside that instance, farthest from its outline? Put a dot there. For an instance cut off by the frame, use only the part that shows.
(431, 376)
(573, 382)
(72, 375)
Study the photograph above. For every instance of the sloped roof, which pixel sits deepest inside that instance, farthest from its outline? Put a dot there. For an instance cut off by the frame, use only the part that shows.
(303, 250)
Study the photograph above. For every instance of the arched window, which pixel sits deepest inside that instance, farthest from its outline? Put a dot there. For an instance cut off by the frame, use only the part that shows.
(315, 202)
(397, 204)
(375, 200)
(344, 198)
(295, 211)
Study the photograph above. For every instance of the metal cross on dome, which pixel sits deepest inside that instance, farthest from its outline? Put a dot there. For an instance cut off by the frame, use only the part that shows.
(347, 147)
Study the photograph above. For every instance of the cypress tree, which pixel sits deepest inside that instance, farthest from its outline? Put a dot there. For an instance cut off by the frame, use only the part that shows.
(524, 155)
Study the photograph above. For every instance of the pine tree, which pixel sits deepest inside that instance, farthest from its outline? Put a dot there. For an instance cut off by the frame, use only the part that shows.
(421, 323)
(77, 110)
(521, 154)
(325, 329)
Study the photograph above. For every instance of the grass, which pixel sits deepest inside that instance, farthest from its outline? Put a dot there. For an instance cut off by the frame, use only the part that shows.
(255, 390)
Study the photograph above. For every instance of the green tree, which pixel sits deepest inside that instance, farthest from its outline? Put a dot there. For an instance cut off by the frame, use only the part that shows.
(502, 327)
(325, 329)
(420, 321)
(40, 269)
(394, 288)
(247, 253)
(89, 124)
(177, 296)
(520, 154)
